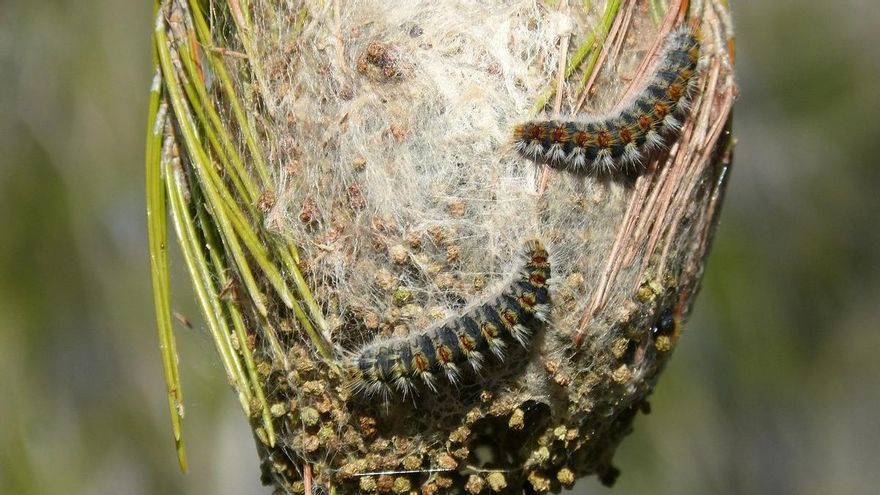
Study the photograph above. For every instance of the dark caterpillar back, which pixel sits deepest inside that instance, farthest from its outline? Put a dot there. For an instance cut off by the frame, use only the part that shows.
(630, 132)
(401, 366)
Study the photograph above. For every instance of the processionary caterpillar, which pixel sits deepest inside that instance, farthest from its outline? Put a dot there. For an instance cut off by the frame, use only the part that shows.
(401, 366)
(630, 132)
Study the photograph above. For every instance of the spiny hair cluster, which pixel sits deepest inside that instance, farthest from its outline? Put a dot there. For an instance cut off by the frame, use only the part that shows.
(629, 133)
(459, 346)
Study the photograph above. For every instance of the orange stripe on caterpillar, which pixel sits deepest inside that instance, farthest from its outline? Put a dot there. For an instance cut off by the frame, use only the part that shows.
(460, 346)
(629, 133)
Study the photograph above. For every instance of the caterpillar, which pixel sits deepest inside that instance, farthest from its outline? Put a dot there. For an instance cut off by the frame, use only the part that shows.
(630, 132)
(665, 325)
(401, 366)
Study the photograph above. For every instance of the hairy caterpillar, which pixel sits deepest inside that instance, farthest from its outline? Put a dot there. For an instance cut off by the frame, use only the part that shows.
(631, 131)
(402, 365)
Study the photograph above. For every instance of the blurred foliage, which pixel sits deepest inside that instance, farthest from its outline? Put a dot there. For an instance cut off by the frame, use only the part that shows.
(774, 388)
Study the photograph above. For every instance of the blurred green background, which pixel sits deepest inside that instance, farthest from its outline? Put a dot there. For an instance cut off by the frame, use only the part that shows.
(775, 387)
